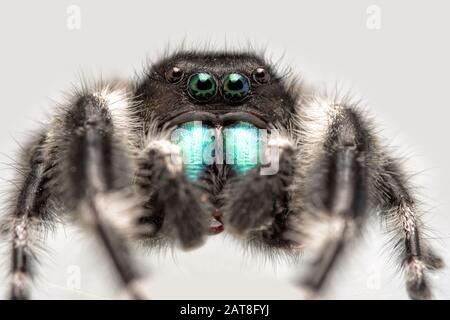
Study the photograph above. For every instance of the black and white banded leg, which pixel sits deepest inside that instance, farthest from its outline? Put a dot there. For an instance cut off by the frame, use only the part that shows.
(400, 211)
(343, 177)
(96, 175)
(29, 216)
(90, 171)
(334, 193)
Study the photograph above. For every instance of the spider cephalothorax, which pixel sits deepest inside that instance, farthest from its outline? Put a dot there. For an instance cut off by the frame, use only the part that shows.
(206, 142)
(214, 87)
(216, 96)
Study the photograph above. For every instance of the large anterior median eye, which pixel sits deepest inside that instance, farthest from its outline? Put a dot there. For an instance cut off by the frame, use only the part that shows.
(202, 86)
(236, 87)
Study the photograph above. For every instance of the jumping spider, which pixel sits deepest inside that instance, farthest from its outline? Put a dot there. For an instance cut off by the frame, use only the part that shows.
(109, 157)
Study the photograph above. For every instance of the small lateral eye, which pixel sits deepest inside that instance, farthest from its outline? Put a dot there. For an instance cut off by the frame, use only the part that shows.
(174, 74)
(261, 75)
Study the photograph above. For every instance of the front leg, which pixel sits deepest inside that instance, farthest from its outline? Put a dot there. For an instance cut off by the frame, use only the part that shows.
(80, 164)
(256, 203)
(401, 215)
(332, 194)
(344, 174)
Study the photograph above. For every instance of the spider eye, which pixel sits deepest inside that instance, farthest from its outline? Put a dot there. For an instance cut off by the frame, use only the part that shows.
(236, 87)
(202, 86)
(174, 75)
(261, 75)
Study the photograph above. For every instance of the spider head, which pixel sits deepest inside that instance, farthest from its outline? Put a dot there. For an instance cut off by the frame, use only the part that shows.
(218, 88)
(199, 92)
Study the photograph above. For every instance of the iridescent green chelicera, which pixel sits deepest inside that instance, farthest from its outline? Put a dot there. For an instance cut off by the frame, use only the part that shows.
(195, 141)
(243, 143)
(236, 86)
(202, 86)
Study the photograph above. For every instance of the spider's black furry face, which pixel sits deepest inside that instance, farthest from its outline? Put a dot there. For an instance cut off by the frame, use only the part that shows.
(218, 88)
(106, 158)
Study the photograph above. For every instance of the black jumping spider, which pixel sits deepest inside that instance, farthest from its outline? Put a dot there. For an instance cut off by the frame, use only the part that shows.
(109, 157)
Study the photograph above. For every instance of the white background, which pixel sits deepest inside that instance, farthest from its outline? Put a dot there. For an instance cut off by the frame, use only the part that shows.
(401, 71)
